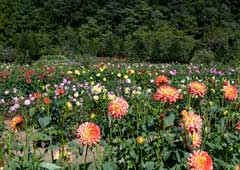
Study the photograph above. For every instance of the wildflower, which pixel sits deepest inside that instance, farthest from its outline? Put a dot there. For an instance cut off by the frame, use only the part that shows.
(37, 95)
(88, 134)
(76, 94)
(118, 107)
(160, 80)
(197, 89)
(200, 160)
(98, 74)
(119, 74)
(192, 122)
(16, 123)
(78, 103)
(96, 89)
(66, 156)
(69, 72)
(69, 106)
(230, 92)
(60, 91)
(104, 79)
(95, 97)
(166, 94)
(140, 140)
(125, 77)
(77, 72)
(46, 100)
(27, 102)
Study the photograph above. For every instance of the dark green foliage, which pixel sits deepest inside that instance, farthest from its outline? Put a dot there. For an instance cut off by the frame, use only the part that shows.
(149, 30)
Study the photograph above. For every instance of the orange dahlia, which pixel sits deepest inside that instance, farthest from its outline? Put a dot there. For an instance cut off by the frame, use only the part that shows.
(200, 160)
(46, 100)
(166, 94)
(230, 92)
(88, 134)
(160, 80)
(197, 89)
(196, 139)
(192, 122)
(37, 95)
(118, 107)
(16, 122)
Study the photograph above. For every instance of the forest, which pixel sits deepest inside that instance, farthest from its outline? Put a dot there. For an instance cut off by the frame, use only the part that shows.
(156, 31)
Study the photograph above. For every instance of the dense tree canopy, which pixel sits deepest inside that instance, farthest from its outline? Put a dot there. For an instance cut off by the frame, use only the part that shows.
(150, 30)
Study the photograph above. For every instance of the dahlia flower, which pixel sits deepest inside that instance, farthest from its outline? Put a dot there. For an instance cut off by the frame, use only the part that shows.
(166, 94)
(118, 107)
(88, 134)
(160, 80)
(16, 122)
(196, 139)
(197, 89)
(230, 92)
(200, 160)
(192, 122)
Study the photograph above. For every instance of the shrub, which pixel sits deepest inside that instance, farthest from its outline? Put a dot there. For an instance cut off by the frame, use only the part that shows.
(27, 48)
(203, 56)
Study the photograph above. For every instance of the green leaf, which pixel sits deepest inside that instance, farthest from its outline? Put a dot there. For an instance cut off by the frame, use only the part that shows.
(168, 120)
(108, 166)
(49, 166)
(44, 121)
(149, 165)
(32, 111)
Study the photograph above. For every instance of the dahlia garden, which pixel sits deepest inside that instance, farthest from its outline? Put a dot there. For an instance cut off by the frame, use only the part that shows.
(111, 116)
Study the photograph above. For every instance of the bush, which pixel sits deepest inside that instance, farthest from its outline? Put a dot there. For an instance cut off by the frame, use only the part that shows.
(27, 48)
(224, 42)
(203, 56)
(164, 45)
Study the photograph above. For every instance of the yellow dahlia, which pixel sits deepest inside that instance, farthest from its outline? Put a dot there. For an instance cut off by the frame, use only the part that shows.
(167, 94)
(118, 107)
(88, 134)
(16, 123)
(230, 92)
(200, 160)
(197, 89)
(192, 122)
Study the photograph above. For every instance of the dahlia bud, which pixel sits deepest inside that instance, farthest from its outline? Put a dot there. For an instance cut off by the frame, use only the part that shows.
(140, 140)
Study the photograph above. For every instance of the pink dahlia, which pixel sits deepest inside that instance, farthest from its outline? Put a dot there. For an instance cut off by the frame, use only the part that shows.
(166, 94)
(230, 92)
(192, 122)
(197, 89)
(118, 107)
(200, 160)
(88, 134)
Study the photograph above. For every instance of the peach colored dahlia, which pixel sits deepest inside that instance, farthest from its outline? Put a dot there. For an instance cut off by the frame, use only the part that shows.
(192, 122)
(200, 160)
(230, 92)
(88, 134)
(197, 89)
(16, 122)
(166, 94)
(118, 107)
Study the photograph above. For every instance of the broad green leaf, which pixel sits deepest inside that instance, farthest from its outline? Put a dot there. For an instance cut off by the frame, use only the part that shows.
(49, 166)
(44, 121)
